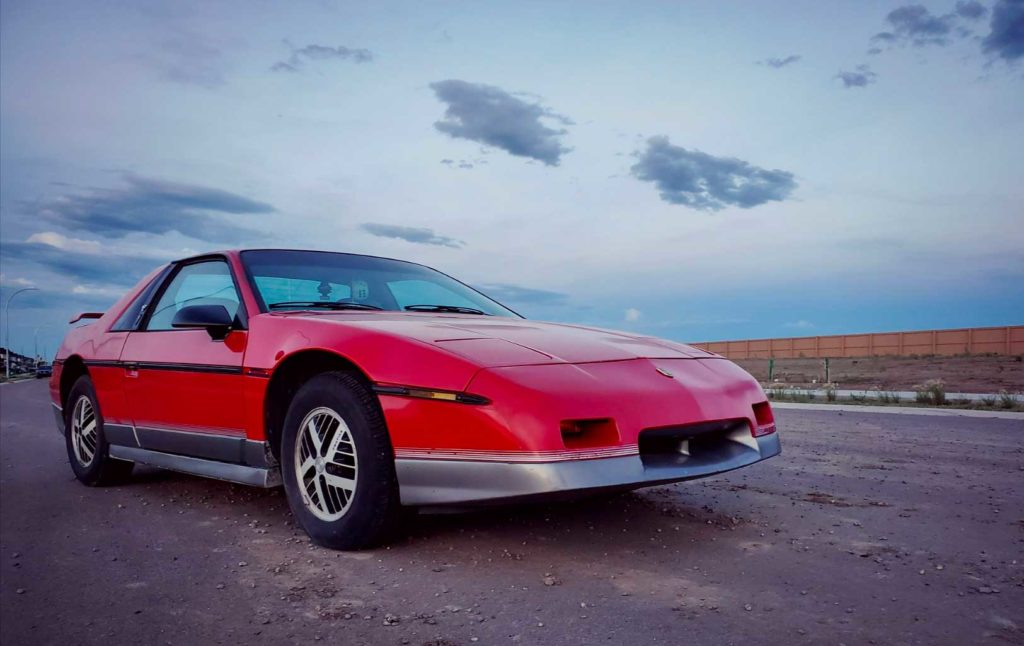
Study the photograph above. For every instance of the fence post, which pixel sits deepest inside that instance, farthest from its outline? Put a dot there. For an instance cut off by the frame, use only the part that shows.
(827, 379)
(771, 369)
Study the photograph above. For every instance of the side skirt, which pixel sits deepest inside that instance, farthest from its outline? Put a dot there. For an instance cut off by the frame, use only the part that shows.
(252, 476)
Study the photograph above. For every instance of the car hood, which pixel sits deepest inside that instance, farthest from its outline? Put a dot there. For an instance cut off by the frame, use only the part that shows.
(500, 341)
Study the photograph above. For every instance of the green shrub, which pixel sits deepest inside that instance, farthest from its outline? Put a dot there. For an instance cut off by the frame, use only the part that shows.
(932, 392)
(1006, 400)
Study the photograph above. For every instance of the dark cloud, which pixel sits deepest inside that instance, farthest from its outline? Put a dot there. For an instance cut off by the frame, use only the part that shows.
(492, 116)
(153, 206)
(914, 24)
(512, 294)
(1006, 40)
(861, 77)
(778, 63)
(972, 10)
(91, 267)
(702, 181)
(411, 234)
(314, 52)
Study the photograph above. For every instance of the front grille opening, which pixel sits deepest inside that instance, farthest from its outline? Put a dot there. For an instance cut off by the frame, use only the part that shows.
(589, 433)
(678, 444)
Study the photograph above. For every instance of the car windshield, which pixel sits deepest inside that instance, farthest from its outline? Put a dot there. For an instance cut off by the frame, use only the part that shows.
(300, 280)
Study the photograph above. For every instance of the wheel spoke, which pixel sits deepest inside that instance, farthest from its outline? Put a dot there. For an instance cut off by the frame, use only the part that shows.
(314, 436)
(338, 481)
(306, 465)
(321, 501)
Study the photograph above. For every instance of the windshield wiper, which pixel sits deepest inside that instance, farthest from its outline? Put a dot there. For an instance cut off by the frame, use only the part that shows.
(455, 309)
(327, 305)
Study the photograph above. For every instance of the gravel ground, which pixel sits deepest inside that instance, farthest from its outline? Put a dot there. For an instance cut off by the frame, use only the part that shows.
(869, 529)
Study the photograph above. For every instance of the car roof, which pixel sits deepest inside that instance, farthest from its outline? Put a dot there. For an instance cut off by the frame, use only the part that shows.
(237, 252)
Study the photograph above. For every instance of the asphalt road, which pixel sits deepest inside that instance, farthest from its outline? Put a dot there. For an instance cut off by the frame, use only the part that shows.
(869, 529)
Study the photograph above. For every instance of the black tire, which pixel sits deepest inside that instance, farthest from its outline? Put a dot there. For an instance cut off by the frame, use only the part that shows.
(373, 509)
(101, 470)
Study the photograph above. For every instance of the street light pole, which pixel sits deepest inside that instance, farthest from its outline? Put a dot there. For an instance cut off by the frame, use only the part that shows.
(7, 312)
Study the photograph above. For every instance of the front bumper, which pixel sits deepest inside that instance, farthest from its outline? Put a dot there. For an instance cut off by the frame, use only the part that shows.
(440, 482)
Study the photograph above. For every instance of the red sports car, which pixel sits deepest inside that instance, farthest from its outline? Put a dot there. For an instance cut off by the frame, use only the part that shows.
(365, 385)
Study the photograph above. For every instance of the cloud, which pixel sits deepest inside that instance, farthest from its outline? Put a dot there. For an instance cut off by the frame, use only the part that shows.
(971, 9)
(189, 59)
(154, 206)
(59, 241)
(778, 63)
(492, 116)
(15, 282)
(1006, 39)
(862, 77)
(914, 24)
(632, 315)
(702, 181)
(97, 267)
(507, 293)
(411, 234)
(303, 55)
(98, 291)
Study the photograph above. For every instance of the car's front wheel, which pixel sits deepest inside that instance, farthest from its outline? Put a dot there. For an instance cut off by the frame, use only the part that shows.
(86, 444)
(338, 464)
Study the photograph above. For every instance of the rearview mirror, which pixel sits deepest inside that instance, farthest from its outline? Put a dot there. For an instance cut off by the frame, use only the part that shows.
(213, 318)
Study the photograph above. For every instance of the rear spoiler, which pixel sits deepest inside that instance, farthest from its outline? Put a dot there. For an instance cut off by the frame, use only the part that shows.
(86, 315)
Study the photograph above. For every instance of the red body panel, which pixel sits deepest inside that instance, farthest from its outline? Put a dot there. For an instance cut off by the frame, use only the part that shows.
(179, 399)
(535, 376)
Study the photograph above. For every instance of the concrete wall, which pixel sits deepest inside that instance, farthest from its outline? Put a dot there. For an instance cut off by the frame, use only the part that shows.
(1007, 340)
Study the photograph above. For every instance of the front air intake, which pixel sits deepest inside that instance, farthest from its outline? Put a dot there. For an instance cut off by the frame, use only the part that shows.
(673, 445)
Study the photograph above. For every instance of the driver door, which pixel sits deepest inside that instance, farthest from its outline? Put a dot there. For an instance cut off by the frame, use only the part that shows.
(182, 381)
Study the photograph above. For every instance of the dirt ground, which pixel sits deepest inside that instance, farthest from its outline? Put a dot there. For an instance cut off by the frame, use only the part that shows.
(869, 529)
(963, 374)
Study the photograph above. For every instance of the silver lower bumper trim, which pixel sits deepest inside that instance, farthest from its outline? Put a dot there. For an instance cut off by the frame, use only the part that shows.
(253, 476)
(430, 482)
(58, 415)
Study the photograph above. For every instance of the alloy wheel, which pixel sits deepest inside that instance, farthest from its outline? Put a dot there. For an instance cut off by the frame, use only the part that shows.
(325, 464)
(84, 431)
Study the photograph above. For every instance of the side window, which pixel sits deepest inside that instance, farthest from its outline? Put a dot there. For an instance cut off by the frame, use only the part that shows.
(132, 315)
(422, 292)
(204, 283)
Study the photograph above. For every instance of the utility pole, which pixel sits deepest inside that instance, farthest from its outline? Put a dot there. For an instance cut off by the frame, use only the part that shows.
(7, 311)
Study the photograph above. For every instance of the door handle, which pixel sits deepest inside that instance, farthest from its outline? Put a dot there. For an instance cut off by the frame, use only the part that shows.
(131, 369)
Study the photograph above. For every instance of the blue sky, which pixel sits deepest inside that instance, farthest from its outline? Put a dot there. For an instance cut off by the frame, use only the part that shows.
(691, 170)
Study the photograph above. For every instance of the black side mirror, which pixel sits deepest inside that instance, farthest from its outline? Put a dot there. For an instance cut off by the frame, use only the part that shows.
(214, 318)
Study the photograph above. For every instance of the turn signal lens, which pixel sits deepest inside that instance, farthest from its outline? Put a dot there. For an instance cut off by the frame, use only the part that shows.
(438, 395)
(764, 418)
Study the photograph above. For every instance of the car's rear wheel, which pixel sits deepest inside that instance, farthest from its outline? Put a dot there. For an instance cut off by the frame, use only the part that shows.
(87, 446)
(337, 463)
